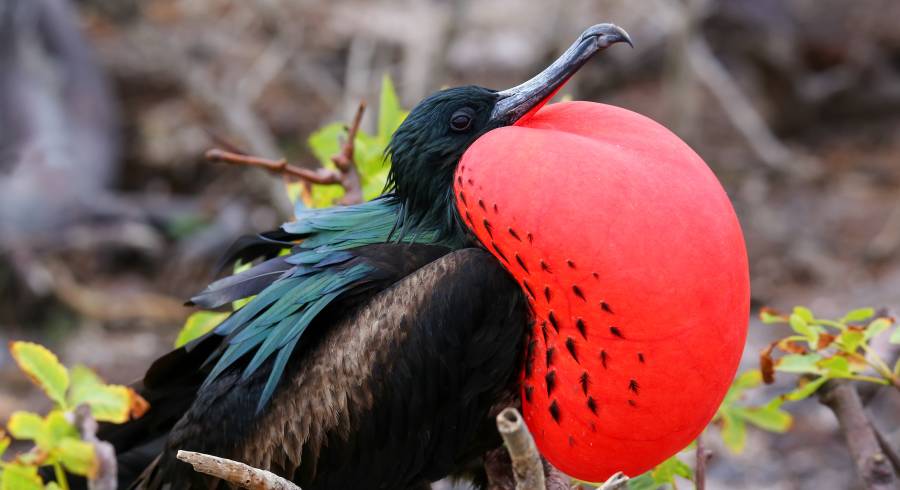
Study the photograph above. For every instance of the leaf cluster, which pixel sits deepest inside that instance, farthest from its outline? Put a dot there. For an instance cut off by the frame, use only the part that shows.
(56, 440)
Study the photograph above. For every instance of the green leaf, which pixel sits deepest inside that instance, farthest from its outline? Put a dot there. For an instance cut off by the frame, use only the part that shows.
(78, 457)
(858, 315)
(734, 432)
(895, 335)
(804, 313)
(849, 340)
(198, 324)
(799, 363)
(643, 482)
(325, 143)
(55, 429)
(390, 114)
(52, 486)
(109, 403)
(4, 443)
(770, 417)
(748, 379)
(877, 326)
(20, 477)
(800, 325)
(666, 471)
(805, 390)
(836, 367)
(44, 369)
(769, 317)
(25, 425)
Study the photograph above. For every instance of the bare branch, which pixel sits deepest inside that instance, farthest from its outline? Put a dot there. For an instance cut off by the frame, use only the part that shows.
(346, 175)
(282, 167)
(872, 466)
(526, 461)
(240, 474)
(700, 470)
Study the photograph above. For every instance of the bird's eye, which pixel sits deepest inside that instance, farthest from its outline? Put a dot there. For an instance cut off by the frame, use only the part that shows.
(461, 120)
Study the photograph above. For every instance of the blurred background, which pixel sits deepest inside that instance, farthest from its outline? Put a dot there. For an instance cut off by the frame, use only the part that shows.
(110, 218)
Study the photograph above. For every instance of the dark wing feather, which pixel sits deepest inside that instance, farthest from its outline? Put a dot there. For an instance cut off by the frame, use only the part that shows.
(172, 382)
(397, 391)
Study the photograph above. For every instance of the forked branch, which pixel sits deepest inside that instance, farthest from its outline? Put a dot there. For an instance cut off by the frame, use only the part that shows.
(346, 174)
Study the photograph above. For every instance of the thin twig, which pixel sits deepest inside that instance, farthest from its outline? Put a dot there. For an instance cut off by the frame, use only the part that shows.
(240, 474)
(281, 167)
(346, 174)
(888, 449)
(872, 465)
(526, 461)
(700, 470)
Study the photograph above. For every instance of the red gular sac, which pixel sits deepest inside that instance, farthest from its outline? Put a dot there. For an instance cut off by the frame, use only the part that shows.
(634, 264)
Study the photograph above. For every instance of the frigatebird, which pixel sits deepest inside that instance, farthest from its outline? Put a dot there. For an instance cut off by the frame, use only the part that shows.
(378, 351)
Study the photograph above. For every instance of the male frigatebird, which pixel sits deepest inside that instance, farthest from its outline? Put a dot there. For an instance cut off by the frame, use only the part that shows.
(579, 256)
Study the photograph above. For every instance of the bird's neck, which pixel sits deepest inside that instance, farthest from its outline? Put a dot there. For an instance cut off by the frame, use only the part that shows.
(436, 215)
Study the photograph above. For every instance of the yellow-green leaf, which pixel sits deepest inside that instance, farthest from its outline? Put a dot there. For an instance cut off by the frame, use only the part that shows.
(895, 336)
(836, 367)
(390, 114)
(52, 486)
(850, 339)
(55, 429)
(20, 477)
(769, 316)
(44, 369)
(198, 324)
(877, 326)
(806, 389)
(78, 457)
(804, 313)
(4, 443)
(734, 432)
(799, 363)
(801, 326)
(25, 425)
(858, 315)
(109, 403)
(769, 417)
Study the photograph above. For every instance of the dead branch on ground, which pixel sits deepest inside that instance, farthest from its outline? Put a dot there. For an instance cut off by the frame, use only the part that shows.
(240, 474)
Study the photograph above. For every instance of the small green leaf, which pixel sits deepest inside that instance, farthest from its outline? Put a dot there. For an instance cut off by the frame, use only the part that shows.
(666, 471)
(836, 367)
(17, 476)
(25, 425)
(325, 143)
(55, 429)
(390, 113)
(770, 417)
(804, 313)
(799, 363)
(858, 315)
(44, 369)
(849, 340)
(748, 379)
(769, 317)
(109, 403)
(78, 457)
(877, 326)
(800, 325)
(805, 390)
(199, 324)
(734, 432)
(895, 336)
(4, 443)
(643, 482)
(52, 486)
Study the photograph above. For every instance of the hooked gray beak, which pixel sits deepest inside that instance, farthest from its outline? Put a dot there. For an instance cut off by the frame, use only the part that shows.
(518, 101)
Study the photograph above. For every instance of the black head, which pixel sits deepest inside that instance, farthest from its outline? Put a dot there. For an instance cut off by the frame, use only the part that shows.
(426, 148)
